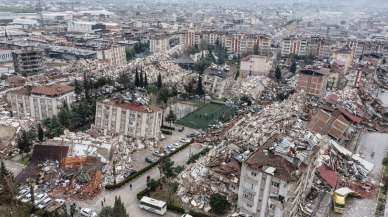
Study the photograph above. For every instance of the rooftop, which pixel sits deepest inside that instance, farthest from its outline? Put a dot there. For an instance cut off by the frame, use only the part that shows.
(52, 90)
(132, 106)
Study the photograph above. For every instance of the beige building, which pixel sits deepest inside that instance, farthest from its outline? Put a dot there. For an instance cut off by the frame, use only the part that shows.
(40, 102)
(114, 55)
(159, 44)
(129, 119)
(294, 45)
(276, 178)
(255, 65)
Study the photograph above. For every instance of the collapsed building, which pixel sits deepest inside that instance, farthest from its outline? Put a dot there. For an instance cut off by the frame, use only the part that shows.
(277, 177)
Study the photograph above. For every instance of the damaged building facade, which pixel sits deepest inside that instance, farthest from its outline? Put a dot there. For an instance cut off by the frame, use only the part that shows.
(276, 178)
(128, 119)
(40, 102)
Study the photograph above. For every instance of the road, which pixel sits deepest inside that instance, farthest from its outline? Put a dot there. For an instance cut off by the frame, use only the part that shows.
(369, 143)
(128, 196)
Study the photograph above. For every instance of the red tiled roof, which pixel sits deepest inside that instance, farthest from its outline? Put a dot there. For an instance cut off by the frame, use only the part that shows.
(350, 116)
(328, 175)
(52, 90)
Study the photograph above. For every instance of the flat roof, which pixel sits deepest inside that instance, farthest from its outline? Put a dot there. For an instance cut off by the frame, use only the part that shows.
(132, 106)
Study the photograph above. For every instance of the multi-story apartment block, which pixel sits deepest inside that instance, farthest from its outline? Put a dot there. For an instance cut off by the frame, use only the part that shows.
(294, 45)
(235, 43)
(276, 178)
(40, 102)
(312, 82)
(159, 44)
(128, 119)
(114, 55)
(28, 61)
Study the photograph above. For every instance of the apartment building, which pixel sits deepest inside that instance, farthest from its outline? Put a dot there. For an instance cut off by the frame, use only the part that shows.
(159, 44)
(235, 43)
(312, 82)
(40, 102)
(294, 45)
(128, 119)
(28, 61)
(255, 65)
(276, 178)
(114, 55)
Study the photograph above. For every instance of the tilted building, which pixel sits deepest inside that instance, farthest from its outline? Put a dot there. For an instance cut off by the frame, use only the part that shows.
(276, 178)
(128, 119)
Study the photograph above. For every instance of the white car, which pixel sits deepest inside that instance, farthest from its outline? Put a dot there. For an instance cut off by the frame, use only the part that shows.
(44, 203)
(86, 212)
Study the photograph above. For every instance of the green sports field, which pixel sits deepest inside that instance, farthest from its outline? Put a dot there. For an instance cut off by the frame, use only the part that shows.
(206, 115)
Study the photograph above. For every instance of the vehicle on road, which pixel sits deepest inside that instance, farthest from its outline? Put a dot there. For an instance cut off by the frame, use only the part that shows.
(86, 212)
(153, 205)
(186, 215)
(339, 198)
(151, 159)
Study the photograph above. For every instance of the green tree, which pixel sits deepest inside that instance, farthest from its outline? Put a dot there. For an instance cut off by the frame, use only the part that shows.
(77, 87)
(137, 78)
(106, 211)
(293, 67)
(31, 184)
(64, 116)
(141, 79)
(278, 73)
(159, 83)
(145, 81)
(24, 141)
(164, 95)
(54, 128)
(40, 133)
(119, 208)
(199, 90)
(171, 117)
(218, 203)
(166, 167)
(130, 53)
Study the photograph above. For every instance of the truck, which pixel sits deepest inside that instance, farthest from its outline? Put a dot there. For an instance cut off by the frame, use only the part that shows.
(339, 198)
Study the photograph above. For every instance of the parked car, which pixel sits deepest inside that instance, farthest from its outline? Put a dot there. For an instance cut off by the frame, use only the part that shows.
(86, 212)
(158, 153)
(43, 204)
(171, 147)
(151, 159)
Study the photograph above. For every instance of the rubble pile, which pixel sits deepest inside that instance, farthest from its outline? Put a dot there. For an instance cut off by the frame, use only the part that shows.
(217, 172)
(252, 87)
(279, 117)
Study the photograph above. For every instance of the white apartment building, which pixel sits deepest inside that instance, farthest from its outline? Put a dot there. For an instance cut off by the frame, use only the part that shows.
(114, 55)
(159, 44)
(40, 102)
(191, 38)
(128, 119)
(255, 65)
(274, 182)
(81, 26)
(6, 56)
(294, 45)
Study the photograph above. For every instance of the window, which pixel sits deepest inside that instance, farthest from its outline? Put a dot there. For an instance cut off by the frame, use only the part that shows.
(253, 173)
(275, 184)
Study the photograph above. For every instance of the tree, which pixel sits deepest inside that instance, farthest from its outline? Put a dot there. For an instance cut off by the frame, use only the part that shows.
(86, 85)
(137, 79)
(32, 193)
(24, 141)
(219, 204)
(77, 87)
(64, 116)
(106, 211)
(40, 133)
(141, 79)
(164, 95)
(130, 53)
(54, 128)
(73, 209)
(384, 61)
(166, 169)
(293, 67)
(199, 90)
(159, 82)
(278, 73)
(119, 208)
(171, 117)
(145, 80)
